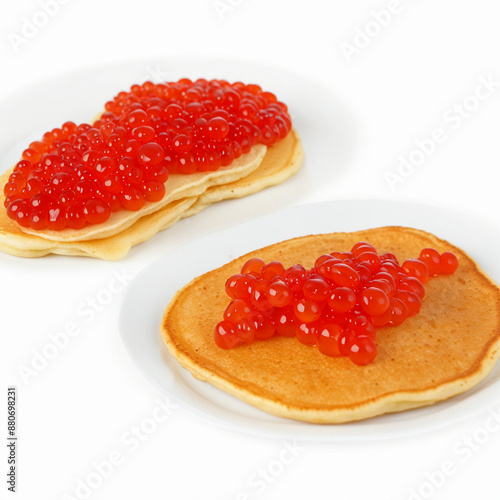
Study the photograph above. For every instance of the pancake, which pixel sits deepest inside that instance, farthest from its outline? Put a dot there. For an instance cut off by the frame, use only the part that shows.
(280, 162)
(449, 347)
(177, 186)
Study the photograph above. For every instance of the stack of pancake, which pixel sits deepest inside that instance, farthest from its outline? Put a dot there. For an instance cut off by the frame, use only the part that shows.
(185, 195)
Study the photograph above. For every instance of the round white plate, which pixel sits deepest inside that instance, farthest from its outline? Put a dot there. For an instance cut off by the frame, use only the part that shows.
(153, 288)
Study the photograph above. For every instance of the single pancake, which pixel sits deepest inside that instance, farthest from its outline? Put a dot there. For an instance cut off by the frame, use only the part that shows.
(449, 347)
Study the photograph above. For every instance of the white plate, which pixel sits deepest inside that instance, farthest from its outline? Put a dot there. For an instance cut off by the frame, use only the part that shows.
(150, 292)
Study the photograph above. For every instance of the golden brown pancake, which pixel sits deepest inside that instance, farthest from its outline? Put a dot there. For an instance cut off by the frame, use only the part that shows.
(445, 350)
(280, 162)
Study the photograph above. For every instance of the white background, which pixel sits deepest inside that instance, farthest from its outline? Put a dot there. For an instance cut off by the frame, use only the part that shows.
(399, 87)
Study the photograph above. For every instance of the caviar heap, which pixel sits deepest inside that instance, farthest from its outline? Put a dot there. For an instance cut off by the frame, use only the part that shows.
(337, 305)
(78, 175)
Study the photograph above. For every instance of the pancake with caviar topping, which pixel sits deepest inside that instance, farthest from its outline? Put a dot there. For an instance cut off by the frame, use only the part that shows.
(153, 151)
(446, 349)
(279, 163)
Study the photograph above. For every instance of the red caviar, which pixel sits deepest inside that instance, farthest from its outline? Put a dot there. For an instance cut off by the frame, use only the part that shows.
(337, 305)
(123, 159)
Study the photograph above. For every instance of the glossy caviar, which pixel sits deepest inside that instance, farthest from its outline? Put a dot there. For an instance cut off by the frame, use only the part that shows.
(79, 175)
(337, 305)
